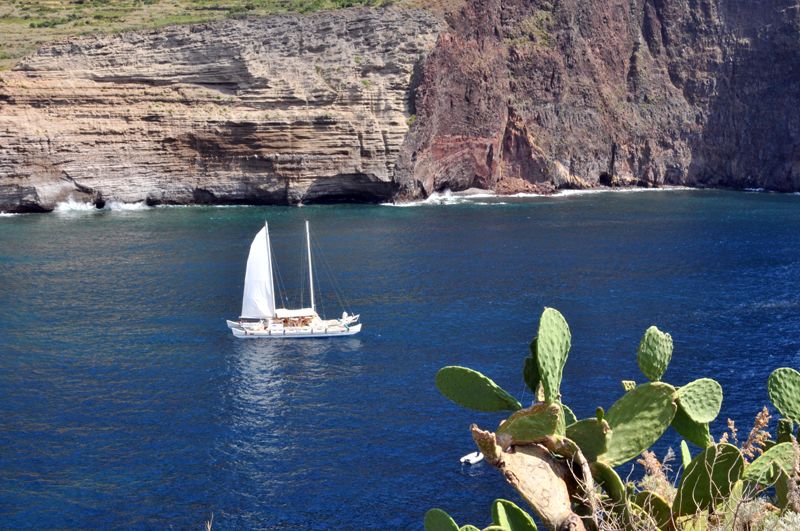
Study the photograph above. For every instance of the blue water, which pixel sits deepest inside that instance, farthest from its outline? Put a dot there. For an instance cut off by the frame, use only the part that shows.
(124, 401)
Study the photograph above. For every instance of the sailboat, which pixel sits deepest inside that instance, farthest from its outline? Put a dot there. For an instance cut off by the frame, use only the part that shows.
(261, 319)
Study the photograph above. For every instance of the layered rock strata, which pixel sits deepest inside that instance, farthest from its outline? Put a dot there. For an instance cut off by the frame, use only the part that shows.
(535, 94)
(277, 110)
(506, 95)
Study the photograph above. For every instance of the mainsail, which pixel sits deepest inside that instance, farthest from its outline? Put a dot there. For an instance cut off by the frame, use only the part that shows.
(258, 300)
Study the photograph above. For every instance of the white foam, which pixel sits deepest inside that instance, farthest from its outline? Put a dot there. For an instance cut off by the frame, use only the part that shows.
(70, 205)
(119, 205)
(449, 198)
(625, 190)
(7, 214)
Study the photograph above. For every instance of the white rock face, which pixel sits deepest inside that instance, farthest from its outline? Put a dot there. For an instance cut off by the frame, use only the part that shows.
(281, 109)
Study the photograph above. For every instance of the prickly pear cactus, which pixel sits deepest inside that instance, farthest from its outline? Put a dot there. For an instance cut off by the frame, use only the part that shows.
(784, 391)
(785, 430)
(609, 480)
(695, 432)
(701, 399)
(569, 415)
(531, 424)
(654, 354)
(686, 456)
(637, 420)
(657, 507)
(766, 468)
(473, 390)
(530, 371)
(708, 479)
(552, 348)
(591, 435)
(438, 520)
(511, 517)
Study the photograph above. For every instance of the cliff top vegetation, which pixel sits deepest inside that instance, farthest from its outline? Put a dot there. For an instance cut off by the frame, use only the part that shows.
(26, 24)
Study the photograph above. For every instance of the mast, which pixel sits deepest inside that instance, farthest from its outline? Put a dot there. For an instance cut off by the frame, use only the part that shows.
(271, 280)
(310, 267)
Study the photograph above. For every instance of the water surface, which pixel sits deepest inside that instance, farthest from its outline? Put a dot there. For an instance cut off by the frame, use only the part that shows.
(124, 402)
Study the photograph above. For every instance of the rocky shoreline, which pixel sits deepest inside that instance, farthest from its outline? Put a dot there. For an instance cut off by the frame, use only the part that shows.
(373, 105)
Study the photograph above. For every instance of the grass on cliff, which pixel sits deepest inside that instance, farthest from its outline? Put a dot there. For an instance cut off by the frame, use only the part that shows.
(26, 24)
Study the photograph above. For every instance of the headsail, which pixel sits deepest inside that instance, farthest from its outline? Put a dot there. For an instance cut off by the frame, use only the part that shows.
(258, 300)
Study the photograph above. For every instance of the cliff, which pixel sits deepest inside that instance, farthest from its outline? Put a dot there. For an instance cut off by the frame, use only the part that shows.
(531, 95)
(281, 109)
(508, 95)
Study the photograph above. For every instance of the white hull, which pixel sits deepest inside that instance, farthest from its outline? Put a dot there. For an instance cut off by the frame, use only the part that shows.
(261, 319)
(292, 333)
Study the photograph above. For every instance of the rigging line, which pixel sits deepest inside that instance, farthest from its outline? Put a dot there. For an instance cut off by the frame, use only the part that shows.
(281, 287)
(328, 270)
(303, 274)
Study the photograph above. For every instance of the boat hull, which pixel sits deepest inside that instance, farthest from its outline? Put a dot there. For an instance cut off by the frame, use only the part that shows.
(288, 333)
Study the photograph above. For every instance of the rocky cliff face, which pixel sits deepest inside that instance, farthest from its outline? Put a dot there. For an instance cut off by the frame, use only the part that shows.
(281, 109)
(508, 95)
(531, 95)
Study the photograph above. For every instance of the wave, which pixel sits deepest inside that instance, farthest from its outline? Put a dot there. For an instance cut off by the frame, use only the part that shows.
(70, 205)
(119, 205)
(7, 214)
(454, 198)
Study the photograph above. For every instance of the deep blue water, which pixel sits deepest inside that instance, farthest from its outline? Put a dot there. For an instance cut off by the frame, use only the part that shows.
(124, 401)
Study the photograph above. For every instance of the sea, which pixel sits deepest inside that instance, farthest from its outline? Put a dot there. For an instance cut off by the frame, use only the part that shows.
(126, 403)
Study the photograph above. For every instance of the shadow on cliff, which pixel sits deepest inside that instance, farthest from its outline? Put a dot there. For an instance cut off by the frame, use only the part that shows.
(751, 137)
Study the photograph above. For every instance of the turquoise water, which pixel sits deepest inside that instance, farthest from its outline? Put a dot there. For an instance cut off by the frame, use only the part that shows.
(124, 401)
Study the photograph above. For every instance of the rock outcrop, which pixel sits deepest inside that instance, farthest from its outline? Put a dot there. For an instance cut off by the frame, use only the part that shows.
(507, 95)
(536, 94)
(283, 109)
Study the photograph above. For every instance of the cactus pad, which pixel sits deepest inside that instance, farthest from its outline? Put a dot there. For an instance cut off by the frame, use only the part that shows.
(695, 432)
(785, 430)
(701, 399)
(592, 437)
(609, 480)
(767, 467)
(638, 419)
(708, 479)
(510, 517)
(686, 456)
(657, 507)
(784, 391)
(438, 520)
(530, 372)
(654, 354)
(473, 390)
(552, 348)
(531, 424)
(569, 415)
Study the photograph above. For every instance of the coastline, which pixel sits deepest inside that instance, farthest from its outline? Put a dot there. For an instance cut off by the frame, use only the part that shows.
(447, 198)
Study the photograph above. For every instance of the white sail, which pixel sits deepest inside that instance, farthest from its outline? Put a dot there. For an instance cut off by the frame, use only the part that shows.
(258, 300)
